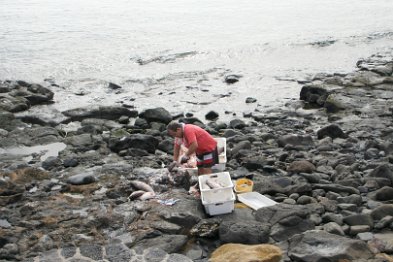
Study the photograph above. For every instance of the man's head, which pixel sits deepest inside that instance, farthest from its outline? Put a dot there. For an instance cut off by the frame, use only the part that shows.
(175, 129)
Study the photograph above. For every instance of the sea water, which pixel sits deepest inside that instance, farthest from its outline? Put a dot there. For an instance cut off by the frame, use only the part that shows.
(176, 53)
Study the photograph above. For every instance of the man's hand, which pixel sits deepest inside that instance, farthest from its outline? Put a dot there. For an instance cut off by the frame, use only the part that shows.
(184, 159)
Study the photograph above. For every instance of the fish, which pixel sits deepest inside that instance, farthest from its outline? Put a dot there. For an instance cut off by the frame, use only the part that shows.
(220, 150)
(147, 196)
(144, 191)
(141, 186)
(213, 183)
(136, 194)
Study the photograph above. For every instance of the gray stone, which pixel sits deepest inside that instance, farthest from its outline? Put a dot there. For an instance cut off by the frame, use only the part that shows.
(354, 230)
(118, 253)
(382, 211)
(101, 112)
(385, 193)
(92, 251)
(168, 243)
(333, 131)
(82, 179)
(333, 228)
(244, 232)
(317, 245)
(4, 223)
(359, 219)
(296, 141)
(156, 115)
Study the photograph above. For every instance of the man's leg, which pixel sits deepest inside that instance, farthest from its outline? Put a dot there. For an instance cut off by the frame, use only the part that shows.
(204, 171)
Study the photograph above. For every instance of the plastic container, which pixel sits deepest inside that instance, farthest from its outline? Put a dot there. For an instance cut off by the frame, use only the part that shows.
(223, 179)
(218, 202)
(243, 185)
(255, 200)
(222, 156)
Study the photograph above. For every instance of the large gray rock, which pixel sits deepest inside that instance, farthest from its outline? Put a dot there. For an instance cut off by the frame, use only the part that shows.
(186, 212)
(156, 115)
(82, 179)
(84, 142)
(101, 112)
(318, 245)
(286, 220)
(333, 131)
(137, 141)
(168, 243)
(382, 211)
(314, 95)
(383, 171)
(247, 232)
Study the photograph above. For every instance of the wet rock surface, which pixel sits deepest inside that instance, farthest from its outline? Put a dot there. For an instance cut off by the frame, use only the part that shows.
(326, 159)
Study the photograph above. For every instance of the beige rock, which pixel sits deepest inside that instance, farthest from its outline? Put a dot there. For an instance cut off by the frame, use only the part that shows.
(246, 253)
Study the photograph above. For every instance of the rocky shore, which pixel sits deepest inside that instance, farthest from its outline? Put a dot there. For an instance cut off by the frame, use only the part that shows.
(66, 178)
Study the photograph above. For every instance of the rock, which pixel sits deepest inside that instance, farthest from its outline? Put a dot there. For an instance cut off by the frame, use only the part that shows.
(82, 179)
(336, 188)
(384, 222)
(338, 102)
(84, 142)
(250, 100)
(385, 193)
(295, 141)
(185, 213)
(382, 243)
(302, 166)
(14, 104)
(359, 219)
(244, 232)
(70, 162)
(211, 115)
(231, 79)
(138, 141)
(240, 146)
(237, 124)
(156, 114)
(100, 112)
(315, 245)
(333, 131)
(286, 220)
(333, 228)
(168, 243)
(383, 171)
(206, 228)
(382, 211)
(246, 253)
(113, 86)
(4, 223)
(51, 163)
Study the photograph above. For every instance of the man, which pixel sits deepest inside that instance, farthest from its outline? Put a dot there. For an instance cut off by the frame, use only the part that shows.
(196, 140)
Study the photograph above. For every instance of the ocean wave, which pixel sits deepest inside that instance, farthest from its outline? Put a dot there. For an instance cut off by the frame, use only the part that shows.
(163, 59)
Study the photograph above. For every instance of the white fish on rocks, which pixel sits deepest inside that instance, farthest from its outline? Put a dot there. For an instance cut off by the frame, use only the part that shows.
(147, 196)
(145, 191)
(136, 194)
(141, 186)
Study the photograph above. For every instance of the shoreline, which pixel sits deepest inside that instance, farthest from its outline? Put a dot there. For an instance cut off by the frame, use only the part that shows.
(329, 167)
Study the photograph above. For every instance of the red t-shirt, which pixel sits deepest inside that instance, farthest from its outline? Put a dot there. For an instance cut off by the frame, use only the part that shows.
(191, 133)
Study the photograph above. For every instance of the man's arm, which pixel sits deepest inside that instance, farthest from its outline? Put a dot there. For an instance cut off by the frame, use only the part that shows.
(176, 151)
(192, 148)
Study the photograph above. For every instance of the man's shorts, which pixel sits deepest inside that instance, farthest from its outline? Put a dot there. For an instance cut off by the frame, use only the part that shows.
(208, 159)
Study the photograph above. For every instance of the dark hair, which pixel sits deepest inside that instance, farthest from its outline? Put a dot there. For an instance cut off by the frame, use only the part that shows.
(174, 125)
